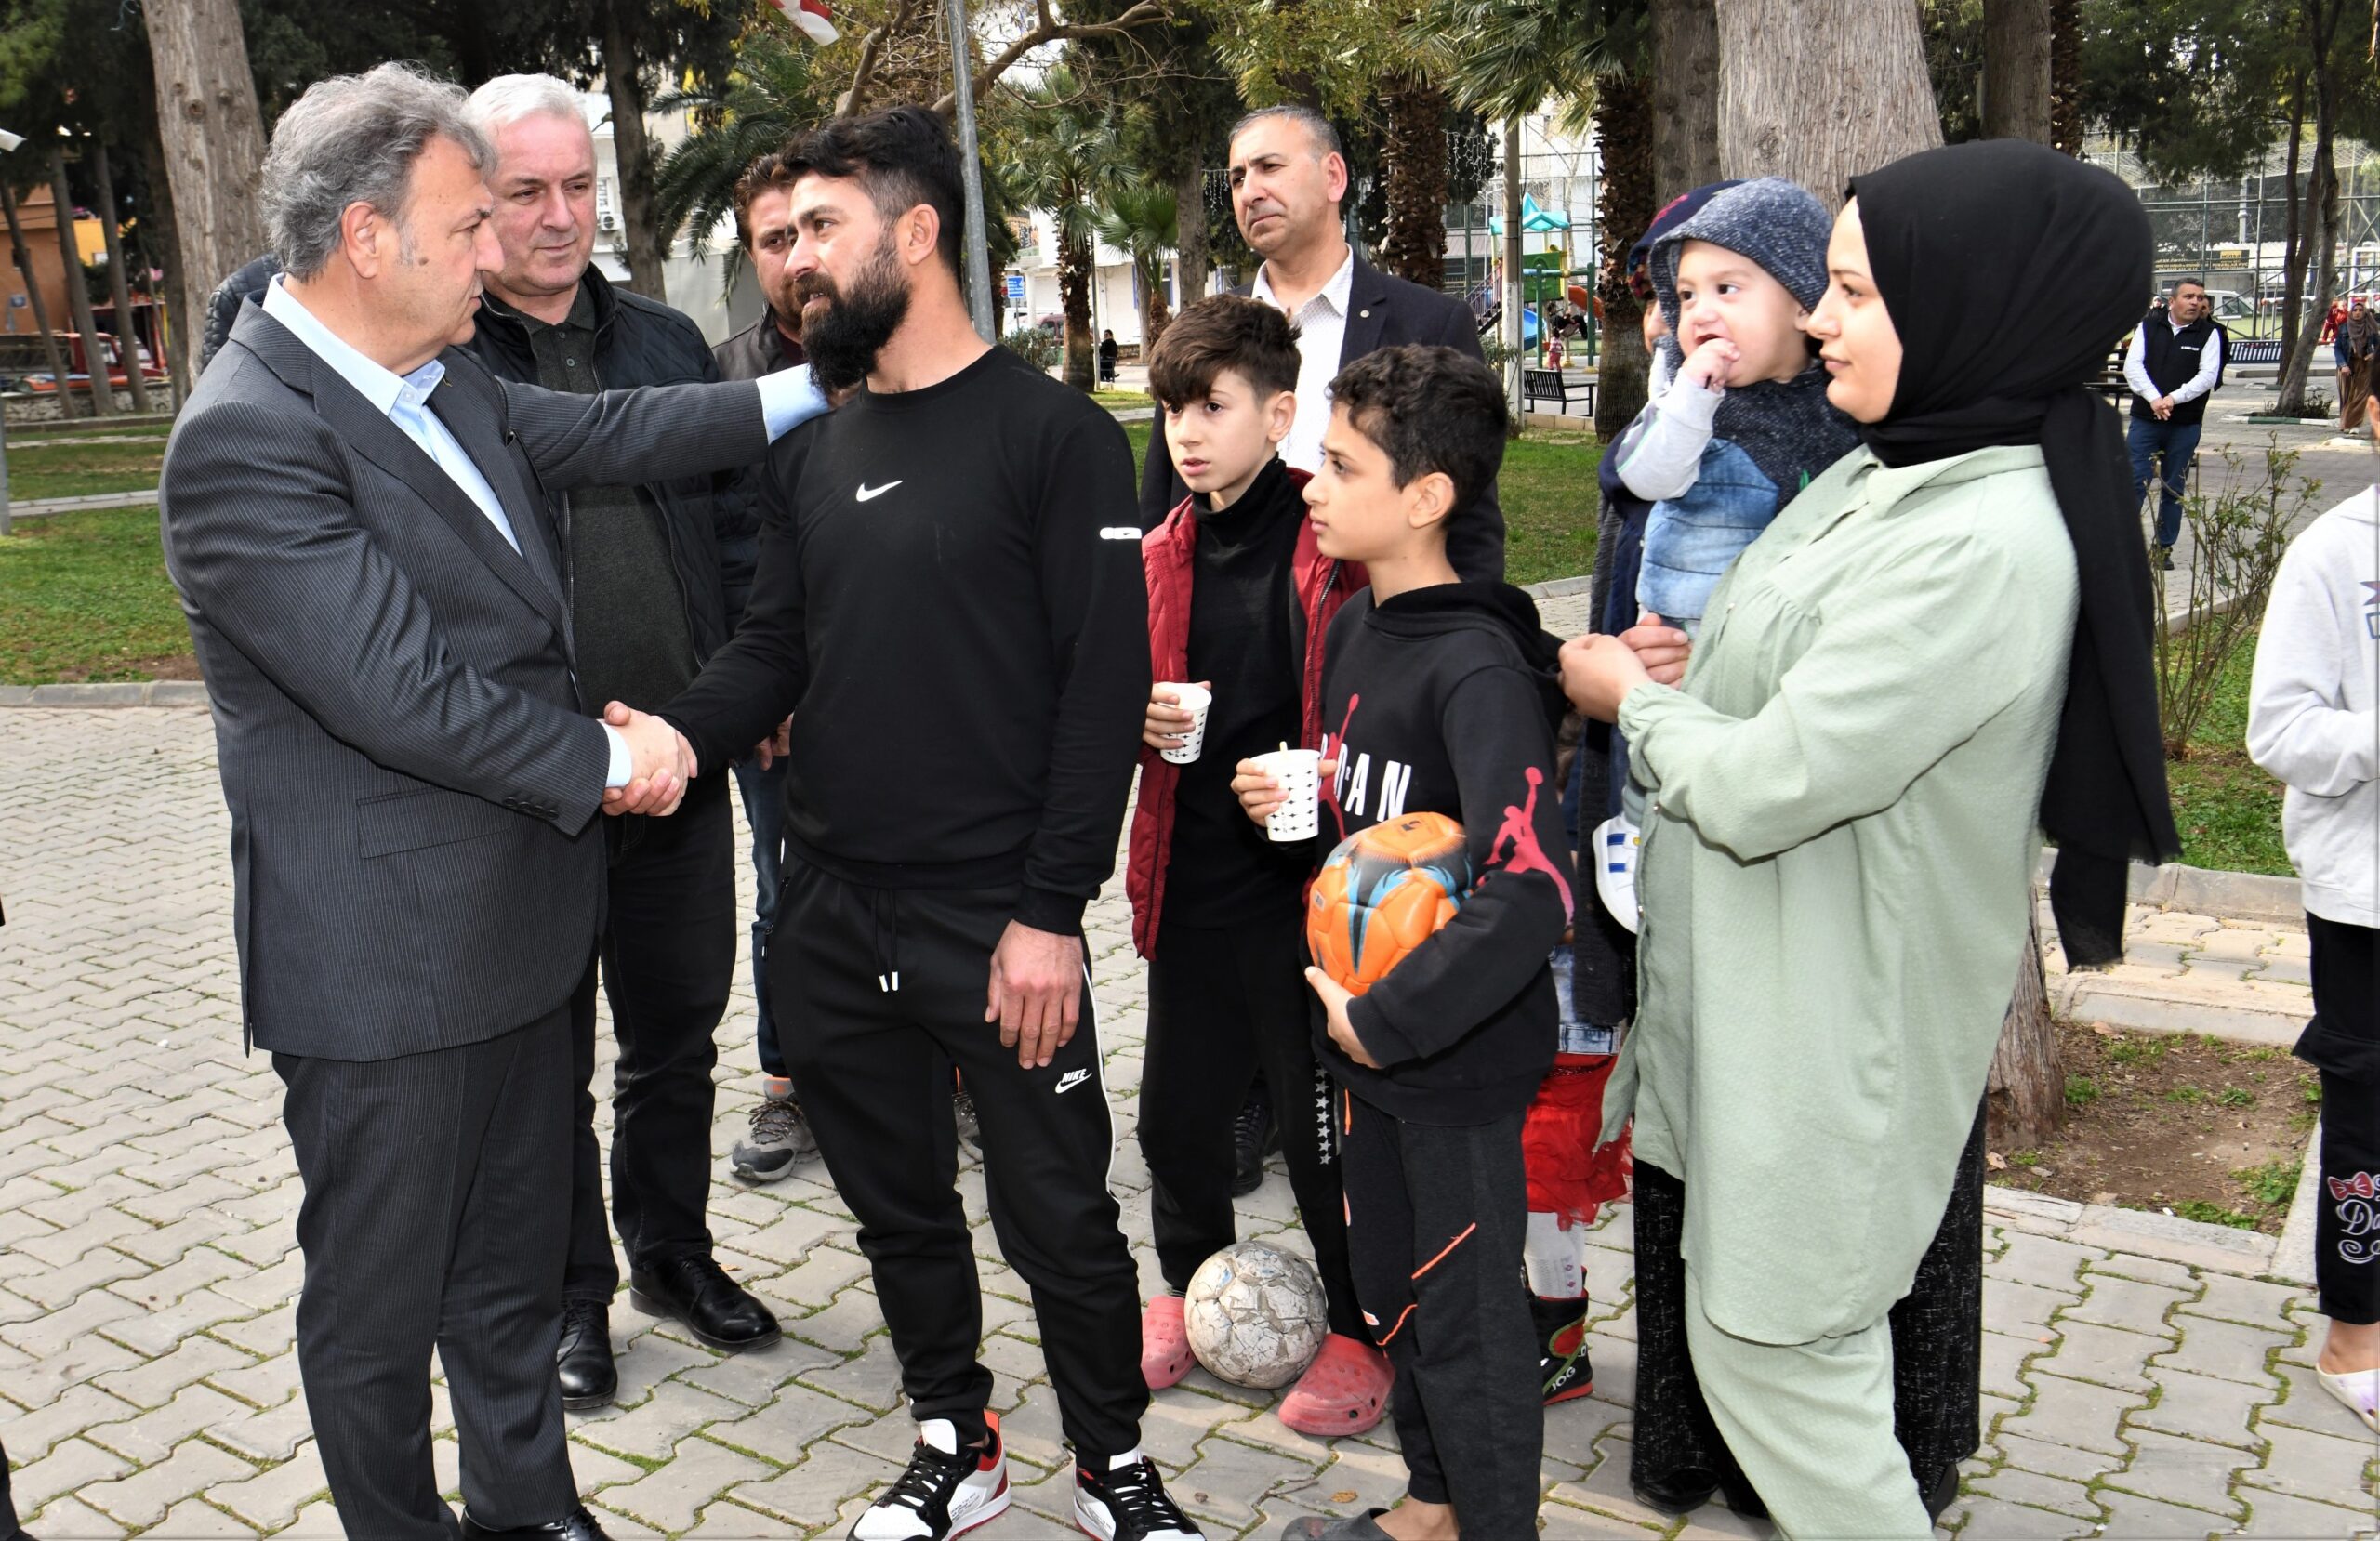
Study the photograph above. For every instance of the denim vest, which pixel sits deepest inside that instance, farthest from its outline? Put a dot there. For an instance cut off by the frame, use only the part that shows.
(1690, 539)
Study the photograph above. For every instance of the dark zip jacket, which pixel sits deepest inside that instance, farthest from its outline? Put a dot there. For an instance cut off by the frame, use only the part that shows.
(1445, 700)
(711, 520)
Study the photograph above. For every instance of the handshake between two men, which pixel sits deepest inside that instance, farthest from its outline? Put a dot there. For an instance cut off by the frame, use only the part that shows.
(661, 762)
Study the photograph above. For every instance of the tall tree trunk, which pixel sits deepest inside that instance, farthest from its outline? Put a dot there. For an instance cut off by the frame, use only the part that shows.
(1193, 261)
(1817, 91)
(1415, 155)
(78, 292)
(632, 148)
(177, 326)
(1075, 259)
(2018, 96)
(23, 256)
(1686, 101)
(2292, 239)
(1624, 130)
(2025, 1094)
(2066, 75)
(1155, 315)
(2323, 19)
(212, 140)
(119, 286)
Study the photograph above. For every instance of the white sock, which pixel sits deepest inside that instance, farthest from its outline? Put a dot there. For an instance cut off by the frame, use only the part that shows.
(1556, 1258)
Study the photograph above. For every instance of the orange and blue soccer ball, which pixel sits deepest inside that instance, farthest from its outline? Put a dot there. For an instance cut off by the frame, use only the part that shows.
(1383, 893)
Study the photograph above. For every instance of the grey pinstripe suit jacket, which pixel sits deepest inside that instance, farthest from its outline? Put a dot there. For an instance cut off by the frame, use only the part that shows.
(413, 783)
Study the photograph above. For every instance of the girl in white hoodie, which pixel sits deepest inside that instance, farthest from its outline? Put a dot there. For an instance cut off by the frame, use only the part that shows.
(2311, 723)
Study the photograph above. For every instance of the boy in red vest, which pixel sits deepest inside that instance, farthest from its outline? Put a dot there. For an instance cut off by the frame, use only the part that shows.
(1239, 599)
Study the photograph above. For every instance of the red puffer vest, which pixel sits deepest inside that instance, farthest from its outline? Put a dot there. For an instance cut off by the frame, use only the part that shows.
(1323, 584)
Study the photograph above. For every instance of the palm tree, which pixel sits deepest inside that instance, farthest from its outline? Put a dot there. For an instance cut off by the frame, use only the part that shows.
(771, 97)
(1137, 219)
(1508, 58)
(1066, 161)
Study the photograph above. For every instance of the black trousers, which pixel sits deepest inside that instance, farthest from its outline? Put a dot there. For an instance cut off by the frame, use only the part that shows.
(668, 963)
(8, 1507)
(1435, 1218)
(433, 1216)
(871, 1066)
(1224, 1006)
(2343, 1042)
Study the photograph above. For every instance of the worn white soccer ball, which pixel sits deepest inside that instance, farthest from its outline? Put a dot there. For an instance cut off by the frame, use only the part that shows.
(1255, 1315)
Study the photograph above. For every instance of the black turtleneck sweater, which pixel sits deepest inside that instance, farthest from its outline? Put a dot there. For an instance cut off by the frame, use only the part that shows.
(1225, 872)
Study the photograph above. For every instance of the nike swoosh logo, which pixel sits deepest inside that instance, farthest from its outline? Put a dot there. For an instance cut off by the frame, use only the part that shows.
(866, 492)
(1072, 1079)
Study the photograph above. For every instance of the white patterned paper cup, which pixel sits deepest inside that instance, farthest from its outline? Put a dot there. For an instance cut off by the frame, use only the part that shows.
(1299, 772)
(1195, 700)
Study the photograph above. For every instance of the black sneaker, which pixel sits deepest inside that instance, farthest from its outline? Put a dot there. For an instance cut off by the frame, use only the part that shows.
(1253, 1139)
(946, 1490)
(1563, 1367)
(1126, 1502)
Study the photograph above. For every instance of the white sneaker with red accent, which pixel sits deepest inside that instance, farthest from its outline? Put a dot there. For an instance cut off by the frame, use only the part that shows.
(946, 1490)
(1126, 1502)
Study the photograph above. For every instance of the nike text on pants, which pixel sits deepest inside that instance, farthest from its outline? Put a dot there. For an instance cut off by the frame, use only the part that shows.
(871, 1066)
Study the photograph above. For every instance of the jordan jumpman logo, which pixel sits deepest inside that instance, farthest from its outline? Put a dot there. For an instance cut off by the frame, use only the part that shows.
(1516, 848)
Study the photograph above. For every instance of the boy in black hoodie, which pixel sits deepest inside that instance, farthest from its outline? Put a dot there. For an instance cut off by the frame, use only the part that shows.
(1444, 696)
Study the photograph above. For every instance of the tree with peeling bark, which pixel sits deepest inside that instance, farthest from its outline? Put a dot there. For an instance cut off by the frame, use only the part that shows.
(212, 136)
(1817, 91)
(1686, 97)
(2016, 99)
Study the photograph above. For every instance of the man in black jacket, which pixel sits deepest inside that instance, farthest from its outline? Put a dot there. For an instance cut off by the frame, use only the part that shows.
(1288, 182)
(648, 606)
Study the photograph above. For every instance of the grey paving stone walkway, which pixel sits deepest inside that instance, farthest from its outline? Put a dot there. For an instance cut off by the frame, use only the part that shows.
(2142, 1380)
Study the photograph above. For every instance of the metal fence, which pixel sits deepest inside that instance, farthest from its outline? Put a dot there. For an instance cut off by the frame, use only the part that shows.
(2231, 232)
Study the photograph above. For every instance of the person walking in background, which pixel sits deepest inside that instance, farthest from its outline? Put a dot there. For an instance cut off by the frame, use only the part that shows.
(2311, 723)
(647, 600)
(2172, 365)
(2355, 347)
(354, 513)
(779, 1138)
(1107, 352)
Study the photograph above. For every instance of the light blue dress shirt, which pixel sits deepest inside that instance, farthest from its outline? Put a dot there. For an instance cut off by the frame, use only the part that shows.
(788, 399)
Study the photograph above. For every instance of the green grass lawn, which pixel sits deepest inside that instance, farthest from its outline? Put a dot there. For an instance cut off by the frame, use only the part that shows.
(85, 596)
(64, 467)
(1548, 490)
(2227, 810)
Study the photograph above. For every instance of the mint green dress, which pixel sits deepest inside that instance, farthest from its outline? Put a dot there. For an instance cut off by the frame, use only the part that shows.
(1836, 876)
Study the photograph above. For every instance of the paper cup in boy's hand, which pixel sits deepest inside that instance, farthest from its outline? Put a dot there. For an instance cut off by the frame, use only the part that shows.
(1298, 772)
(1194, 699)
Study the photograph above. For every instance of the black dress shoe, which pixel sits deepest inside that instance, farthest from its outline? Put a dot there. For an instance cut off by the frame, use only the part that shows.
(578, 1525)
(695, 1290)
(584, 1361)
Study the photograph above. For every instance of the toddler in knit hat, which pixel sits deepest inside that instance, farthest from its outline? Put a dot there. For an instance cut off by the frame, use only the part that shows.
(1742, 426)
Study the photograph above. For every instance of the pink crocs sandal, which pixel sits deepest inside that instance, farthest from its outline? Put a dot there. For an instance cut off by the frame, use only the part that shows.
(1165, 1343)
(1343, 1392)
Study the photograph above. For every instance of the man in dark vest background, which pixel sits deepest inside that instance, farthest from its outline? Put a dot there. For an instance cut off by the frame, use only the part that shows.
(2174, 364)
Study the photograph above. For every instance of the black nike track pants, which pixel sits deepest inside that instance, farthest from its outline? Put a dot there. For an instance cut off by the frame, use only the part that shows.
(878, 992)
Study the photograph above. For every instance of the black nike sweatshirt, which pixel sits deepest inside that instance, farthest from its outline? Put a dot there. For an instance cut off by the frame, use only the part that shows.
(949, 601)
(1445, 701)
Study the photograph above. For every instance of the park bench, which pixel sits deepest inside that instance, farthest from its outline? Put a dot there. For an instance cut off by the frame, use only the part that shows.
(1553, 385)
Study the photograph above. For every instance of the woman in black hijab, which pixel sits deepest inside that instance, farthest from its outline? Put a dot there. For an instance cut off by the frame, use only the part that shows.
(1903, 677)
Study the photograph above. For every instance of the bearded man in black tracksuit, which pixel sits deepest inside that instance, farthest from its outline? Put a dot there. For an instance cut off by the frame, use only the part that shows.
(949, 604)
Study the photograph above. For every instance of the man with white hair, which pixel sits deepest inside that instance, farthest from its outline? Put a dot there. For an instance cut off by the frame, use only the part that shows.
(649, 566)
(355, 513)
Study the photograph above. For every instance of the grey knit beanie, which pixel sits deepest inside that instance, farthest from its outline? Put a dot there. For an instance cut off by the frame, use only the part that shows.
(1779, 224)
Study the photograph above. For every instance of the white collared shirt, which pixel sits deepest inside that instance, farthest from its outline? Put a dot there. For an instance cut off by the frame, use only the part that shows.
(403, 398)
(2135, 364)
(1322, 332)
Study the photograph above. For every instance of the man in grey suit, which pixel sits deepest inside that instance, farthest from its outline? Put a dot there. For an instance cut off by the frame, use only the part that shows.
(355, 514)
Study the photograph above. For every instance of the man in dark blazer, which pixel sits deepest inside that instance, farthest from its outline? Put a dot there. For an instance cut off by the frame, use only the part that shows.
(1288, 180)
(355, 515)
